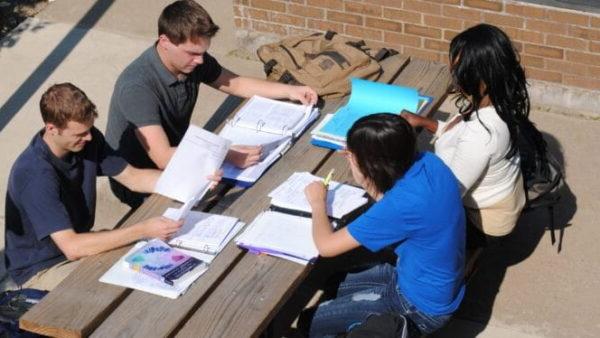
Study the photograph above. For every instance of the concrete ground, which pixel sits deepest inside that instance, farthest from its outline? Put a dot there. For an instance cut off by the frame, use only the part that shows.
(526, 288)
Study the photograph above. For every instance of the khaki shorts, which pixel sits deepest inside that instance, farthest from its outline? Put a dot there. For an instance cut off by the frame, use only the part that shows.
(500, 219)
(48, 279)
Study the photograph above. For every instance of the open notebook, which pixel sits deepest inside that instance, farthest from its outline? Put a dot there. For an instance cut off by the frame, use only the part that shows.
(366, 98)
(341, 198)
(270, 123)
(204, 232)
(281, 235)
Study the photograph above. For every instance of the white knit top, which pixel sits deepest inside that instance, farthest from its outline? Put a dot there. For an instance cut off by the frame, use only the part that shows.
(476, 156)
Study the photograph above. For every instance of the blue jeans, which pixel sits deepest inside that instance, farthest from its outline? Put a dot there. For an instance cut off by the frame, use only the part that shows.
(373, 291)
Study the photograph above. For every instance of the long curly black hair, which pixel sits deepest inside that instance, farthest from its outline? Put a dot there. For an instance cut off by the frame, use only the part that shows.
(484, 62)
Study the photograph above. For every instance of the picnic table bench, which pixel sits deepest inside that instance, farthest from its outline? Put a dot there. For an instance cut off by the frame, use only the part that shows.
(240, 293)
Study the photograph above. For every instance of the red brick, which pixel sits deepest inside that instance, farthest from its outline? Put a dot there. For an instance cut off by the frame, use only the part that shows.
(237, 11)
(288, 19)
(269, 28)
(569, 18)
(242, 23)
(566, 67)
(484, 4)
(594, 47)
(437, 45)
(468, 24)
(546, 26)
(503, 20)
(364, 8)
(526, 11)
(364, 33)
(323, 25)
(582, 82)
(423, 54)
(269, 5)
(309, 12)
(565, 42)
(332, 4)
(543, 75)
(344, 17)
(402, 39)
(442, 22)
(595, 22)
(256, 14)
(295, 31)
(462, 13)
(422, 7)
(585, 58)
(423, 31)
(532, 61)
(300, 2)
(448, 2)
(449, 35)
(402, 15)
(387, 3)
(525, 35)
(584, 33)
(518, 46)
(543, 51)
(387, 25)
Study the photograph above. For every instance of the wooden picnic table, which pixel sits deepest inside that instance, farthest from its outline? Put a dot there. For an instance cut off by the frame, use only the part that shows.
(240, 293)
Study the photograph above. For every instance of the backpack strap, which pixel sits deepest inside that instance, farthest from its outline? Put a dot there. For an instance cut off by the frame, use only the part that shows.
(384, 53)
(329, 35)
(287, 77)
(268, 67)
(337, 57)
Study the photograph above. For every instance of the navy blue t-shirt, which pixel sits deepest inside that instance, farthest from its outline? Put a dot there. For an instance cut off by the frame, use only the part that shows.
(46, 194)
(422, 214)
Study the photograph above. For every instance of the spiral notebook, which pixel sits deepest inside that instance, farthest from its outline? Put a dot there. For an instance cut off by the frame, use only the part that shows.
(270, 123)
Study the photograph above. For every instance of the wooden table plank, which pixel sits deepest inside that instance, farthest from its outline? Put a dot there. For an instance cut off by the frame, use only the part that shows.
(257, 286)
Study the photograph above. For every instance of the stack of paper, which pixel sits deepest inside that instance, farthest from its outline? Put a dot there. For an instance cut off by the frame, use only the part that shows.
(199, 154)
(270, 123)
(366, 98)
(204, 232)
(341, 198)
(121, 274)
(281, 235)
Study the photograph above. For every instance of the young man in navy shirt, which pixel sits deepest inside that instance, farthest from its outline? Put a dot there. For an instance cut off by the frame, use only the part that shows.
(51, 195)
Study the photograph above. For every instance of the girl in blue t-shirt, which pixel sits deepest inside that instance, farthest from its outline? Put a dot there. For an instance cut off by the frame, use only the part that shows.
(417, 210)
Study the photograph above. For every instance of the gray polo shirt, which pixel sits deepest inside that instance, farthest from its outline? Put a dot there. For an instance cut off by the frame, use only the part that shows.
(146, 94)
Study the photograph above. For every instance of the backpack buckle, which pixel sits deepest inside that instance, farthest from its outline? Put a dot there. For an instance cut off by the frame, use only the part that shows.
(268, 67)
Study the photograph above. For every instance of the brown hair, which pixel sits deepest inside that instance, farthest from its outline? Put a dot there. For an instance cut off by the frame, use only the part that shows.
(65, 102)
(186, 20)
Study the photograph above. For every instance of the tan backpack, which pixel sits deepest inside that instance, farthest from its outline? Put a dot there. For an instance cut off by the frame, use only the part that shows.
(325, 62)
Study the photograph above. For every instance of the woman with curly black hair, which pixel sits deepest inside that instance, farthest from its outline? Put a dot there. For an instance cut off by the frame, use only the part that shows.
(480, 144)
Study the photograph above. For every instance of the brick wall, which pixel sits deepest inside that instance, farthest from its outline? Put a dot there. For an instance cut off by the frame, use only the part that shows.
(556, 45)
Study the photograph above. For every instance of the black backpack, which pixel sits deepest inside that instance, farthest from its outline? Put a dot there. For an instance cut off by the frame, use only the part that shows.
(13, 304)
(542, 173)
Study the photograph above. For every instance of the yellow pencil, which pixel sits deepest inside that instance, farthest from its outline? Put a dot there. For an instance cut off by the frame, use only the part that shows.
(328, 177)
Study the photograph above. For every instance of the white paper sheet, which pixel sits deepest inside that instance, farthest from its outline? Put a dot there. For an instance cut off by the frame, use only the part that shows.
(281, 235)
(198, 155)
(341, 198)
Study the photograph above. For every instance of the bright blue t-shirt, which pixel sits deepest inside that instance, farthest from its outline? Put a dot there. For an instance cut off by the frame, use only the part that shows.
(47, 194)
(422, 216)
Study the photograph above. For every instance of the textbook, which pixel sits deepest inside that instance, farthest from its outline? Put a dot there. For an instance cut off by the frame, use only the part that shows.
(366, 98)
(159, 261)
(341, 198)
(199, 154)
(204, 232)
(281, 235)
(121, 274)
(270, 123)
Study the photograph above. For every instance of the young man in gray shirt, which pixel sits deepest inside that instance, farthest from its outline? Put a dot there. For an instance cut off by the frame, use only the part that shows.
(154, 97)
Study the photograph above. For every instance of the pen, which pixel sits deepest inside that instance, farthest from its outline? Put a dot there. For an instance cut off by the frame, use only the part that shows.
(328, 178)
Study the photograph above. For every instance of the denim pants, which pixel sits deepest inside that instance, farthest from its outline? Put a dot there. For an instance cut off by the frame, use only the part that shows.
(373, 291)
